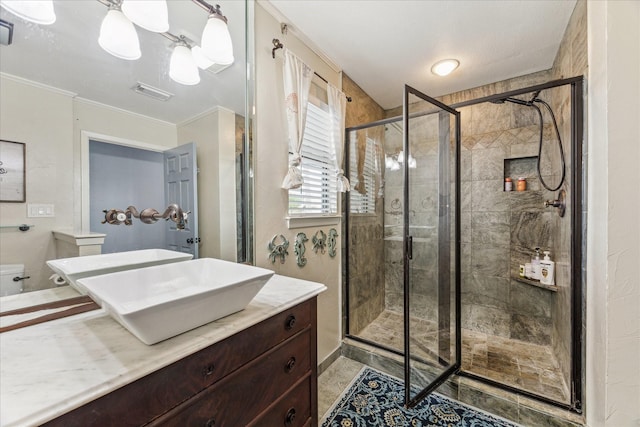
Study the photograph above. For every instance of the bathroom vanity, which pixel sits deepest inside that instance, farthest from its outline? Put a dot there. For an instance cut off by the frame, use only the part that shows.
(256, 367)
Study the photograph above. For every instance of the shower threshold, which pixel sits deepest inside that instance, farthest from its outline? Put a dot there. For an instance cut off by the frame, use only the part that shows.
(518, 364)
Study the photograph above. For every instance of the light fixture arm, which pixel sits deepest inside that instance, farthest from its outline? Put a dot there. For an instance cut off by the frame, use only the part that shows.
(213, 10)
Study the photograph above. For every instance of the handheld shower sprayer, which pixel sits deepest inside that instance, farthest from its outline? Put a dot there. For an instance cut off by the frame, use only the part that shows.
(532, 103)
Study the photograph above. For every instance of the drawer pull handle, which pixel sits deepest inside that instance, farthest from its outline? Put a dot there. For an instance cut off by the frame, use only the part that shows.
(211, 422)
(290, 365)
(208, 370)
(290, 417)
(290, 322)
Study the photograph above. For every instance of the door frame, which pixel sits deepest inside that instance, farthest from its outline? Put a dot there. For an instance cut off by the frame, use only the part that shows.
(84, 184)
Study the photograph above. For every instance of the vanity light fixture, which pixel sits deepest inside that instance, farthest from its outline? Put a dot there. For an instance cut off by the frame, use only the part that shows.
(36, 11)
(118, 36)
(445, 67)
(201, 60)
(152, 15)
(216, 40)
(183, 68)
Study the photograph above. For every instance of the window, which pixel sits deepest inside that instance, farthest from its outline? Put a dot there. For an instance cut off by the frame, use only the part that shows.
(318, 193)
(362, 203)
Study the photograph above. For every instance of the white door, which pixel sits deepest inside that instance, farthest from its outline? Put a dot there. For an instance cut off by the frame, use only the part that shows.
(181, 187)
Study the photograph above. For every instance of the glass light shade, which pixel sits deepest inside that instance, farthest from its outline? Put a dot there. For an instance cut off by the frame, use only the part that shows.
(183, 68)
(37, 11)
(118, 36)
(216, 41)
(201, 60)
(152, 15)
(445, 67)
(412, 162)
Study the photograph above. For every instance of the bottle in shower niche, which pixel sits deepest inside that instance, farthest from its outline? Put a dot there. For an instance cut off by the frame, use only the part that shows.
(535, 265)
(508, 184)
(547, 270)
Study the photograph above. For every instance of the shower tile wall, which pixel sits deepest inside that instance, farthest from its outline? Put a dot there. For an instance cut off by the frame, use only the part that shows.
(499, 229)
(366, 254)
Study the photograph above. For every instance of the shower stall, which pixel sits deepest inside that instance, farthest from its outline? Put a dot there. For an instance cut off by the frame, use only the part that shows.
(434, 243)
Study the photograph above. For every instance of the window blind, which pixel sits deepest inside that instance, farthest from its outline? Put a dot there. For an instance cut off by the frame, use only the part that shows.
(358, 202)
(318, 194)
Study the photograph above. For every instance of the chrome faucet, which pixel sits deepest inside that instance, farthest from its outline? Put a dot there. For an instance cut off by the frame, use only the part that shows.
(147, 216)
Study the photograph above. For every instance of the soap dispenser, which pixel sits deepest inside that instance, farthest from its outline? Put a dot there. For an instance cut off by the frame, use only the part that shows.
(535, 265)
(547, 270)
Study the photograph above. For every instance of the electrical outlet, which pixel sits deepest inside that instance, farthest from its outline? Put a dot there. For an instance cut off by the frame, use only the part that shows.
(40, 210)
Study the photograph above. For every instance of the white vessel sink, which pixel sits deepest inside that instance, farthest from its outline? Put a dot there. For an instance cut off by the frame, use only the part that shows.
(159, 302)
(72, 269)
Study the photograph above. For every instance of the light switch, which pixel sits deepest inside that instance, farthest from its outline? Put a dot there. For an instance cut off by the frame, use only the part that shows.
(40, 210)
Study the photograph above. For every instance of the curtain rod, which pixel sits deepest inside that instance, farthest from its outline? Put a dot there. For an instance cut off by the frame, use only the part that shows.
(278, 45)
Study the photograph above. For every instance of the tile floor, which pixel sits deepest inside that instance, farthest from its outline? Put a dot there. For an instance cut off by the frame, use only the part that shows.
(531, 367)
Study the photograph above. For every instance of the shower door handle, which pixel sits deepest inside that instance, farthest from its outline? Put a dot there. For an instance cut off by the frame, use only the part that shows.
(410, 247)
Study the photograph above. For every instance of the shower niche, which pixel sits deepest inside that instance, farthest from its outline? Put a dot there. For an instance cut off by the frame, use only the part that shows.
(432, 273)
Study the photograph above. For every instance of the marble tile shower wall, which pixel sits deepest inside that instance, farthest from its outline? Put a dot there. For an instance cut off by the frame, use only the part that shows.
(500, 229)
(423, 214)
(366, 269)
(366, 253)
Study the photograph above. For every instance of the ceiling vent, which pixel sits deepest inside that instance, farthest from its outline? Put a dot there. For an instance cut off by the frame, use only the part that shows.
(151, 92)
(6, 32)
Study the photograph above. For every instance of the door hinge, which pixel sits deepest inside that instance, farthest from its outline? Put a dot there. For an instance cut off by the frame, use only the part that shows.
(410, 247)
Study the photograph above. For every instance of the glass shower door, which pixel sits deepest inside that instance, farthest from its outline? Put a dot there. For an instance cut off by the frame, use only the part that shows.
(431, 244)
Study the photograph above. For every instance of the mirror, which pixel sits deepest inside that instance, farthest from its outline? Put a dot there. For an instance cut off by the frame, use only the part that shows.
(61, 94)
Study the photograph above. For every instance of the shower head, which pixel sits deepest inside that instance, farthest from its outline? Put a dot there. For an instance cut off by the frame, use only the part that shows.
(513, 100)
(518, 101)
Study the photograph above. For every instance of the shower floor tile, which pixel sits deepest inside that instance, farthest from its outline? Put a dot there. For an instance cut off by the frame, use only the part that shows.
(523, 365)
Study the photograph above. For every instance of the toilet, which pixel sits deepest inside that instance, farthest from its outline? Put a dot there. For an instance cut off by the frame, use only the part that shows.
(7, 273)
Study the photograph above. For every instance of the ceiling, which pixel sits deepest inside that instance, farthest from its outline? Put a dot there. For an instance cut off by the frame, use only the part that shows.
(383, 45)
(66, 55)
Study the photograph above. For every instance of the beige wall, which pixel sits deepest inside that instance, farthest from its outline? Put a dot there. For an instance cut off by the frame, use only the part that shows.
(613, 229)
(43, 120)
(271, 165)
(214, 135)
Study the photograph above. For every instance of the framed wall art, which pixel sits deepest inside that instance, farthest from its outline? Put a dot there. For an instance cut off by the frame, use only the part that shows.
(12, 172)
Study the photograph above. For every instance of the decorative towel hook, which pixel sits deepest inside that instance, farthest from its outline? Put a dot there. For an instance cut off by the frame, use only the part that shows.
(319, 241)
(333, 241)
(278, 250)
(300, 249)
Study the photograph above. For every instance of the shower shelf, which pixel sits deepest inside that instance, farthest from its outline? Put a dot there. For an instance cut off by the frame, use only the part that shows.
(535, 283)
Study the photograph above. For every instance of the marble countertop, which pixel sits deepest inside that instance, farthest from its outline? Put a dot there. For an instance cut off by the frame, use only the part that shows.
(52, 368)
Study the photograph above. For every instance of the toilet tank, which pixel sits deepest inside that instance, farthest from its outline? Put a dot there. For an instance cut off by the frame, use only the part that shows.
(7, 273)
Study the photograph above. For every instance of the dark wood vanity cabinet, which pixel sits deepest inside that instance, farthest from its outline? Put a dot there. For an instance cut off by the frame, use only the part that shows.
(265, 375)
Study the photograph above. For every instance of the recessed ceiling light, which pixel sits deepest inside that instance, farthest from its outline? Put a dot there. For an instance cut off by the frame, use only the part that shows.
(445, 67)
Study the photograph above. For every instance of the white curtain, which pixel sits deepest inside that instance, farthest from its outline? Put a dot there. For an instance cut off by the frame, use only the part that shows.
(297, 81)
(337, 109)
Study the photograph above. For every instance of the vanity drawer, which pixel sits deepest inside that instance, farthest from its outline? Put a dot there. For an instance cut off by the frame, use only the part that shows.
(242, 396)
(147, 398)
(292, 410)
(213, 363)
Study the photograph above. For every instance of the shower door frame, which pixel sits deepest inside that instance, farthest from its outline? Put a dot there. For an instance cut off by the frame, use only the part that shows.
(578, 244)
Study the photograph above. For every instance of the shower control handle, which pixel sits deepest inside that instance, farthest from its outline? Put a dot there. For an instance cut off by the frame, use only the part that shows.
(559, 203)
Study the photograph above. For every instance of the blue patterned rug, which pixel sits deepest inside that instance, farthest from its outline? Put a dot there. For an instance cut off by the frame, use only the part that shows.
(375, 399)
